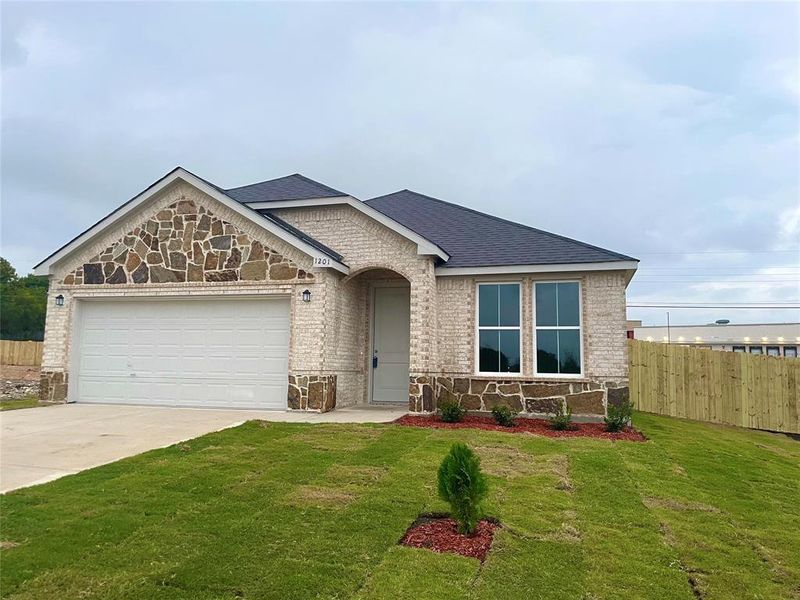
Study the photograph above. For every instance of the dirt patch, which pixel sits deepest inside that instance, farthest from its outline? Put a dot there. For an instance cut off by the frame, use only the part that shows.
(568, 534)
(18, 382)
(767, 556)
(668, 503)
(18, 373)
(559, 464)
(697, 584)
(331, 439)
(678, 470)
(320, 497)
(7, 545)
(341, 485)
(668, 535)
(507, 461)
(440, 534)
(524, 425)
(776, 450)
(354, 475)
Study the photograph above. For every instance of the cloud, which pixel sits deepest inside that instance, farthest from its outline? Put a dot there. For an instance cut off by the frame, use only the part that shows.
(645, 128)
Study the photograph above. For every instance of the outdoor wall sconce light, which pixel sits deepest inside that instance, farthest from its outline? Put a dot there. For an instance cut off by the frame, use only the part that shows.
(306, 296)
(59, 300)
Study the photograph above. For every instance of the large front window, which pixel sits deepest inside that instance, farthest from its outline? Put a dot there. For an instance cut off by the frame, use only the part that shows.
(558, 328)
(498, 328)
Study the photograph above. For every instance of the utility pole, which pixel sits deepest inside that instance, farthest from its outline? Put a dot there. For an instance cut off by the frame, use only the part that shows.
(669, 338)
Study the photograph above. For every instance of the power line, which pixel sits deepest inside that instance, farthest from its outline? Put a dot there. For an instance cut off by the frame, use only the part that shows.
(716, 306)
(709, 280)
(751, 268)
(689, 302)
(796, 250)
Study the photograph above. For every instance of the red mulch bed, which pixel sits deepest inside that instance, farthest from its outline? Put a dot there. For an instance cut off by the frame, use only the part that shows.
(524, 425)
(440, 534)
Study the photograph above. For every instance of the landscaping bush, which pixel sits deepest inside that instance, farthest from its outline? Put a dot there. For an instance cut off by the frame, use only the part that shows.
(504, 416)
(562, 420)
(618, 416)
(463, 486)
(451, 412)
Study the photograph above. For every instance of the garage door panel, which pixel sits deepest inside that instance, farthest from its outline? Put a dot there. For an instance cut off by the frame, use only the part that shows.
(221, 352)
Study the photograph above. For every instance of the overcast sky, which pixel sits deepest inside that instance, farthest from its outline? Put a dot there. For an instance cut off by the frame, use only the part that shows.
(665, 131)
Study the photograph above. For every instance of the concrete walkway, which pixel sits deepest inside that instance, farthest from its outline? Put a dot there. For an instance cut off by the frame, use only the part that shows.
(42, 444)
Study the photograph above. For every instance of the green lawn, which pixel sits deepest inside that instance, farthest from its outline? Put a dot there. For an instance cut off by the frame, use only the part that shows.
(292, 511)
(26, 402)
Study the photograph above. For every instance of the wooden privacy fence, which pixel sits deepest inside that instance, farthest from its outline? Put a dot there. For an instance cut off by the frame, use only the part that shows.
(27, 354)
(747, 390)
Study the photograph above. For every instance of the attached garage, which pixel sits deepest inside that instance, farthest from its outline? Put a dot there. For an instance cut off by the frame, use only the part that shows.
(203, 352)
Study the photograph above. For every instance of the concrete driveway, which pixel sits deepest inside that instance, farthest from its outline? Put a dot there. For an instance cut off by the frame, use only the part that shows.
(42, 444)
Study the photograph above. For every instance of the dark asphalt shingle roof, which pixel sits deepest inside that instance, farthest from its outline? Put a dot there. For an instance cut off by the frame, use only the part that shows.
(291, 187)
(475, 239)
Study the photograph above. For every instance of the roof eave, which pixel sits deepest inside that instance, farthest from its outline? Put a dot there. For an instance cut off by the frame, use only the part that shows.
(179, 173)
(617, 265)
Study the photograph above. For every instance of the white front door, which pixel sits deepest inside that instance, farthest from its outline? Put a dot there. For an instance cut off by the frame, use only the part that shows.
(390, 343)
(204, 352)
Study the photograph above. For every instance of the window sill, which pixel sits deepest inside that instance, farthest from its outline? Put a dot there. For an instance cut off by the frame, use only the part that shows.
(536, 378)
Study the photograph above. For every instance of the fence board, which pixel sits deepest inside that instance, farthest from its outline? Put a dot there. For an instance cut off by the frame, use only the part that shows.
(741, 389)
(13, 352)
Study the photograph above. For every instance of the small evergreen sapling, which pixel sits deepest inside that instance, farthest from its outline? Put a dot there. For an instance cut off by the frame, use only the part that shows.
(463, 486)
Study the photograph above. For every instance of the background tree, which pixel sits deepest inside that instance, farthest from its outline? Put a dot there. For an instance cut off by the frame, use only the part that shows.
(23, 303)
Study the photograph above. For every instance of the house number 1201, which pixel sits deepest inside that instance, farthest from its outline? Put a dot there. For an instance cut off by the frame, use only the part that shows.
(322, 261)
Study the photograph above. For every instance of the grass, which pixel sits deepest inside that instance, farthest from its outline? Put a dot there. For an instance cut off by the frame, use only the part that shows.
(315, 511)
(26, 402)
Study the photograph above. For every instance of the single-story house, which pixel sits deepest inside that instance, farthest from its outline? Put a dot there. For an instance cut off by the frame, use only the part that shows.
(291, 294)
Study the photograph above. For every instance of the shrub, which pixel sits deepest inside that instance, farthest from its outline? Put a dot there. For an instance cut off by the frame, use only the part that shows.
(463, 486)
(618, 416)
(561, 420)
(504, 416)
(451, 412)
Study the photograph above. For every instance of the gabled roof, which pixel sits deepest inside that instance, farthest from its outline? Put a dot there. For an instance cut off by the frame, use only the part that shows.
(291, 187)
(277, 227)
(464, 240)
(475, 239)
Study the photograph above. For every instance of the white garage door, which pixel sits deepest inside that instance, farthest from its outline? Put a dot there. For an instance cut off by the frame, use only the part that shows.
(230, 353)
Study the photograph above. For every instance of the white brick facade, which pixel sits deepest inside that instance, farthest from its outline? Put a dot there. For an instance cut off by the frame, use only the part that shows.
(603, 326)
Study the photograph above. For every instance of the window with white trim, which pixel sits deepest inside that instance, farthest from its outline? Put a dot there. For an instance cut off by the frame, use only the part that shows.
(790, 351)
(499, 341)
(557, 307)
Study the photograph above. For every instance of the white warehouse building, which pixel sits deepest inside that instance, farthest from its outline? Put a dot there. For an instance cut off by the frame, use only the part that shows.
(773, 339)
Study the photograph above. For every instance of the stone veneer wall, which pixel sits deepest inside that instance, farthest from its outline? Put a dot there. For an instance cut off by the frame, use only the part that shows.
(184, 242)
(53, 387)
(426, 393)
(312, 392)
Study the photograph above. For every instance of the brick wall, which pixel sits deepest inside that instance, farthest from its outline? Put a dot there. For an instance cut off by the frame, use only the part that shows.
(604, 344)
(366, 246)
